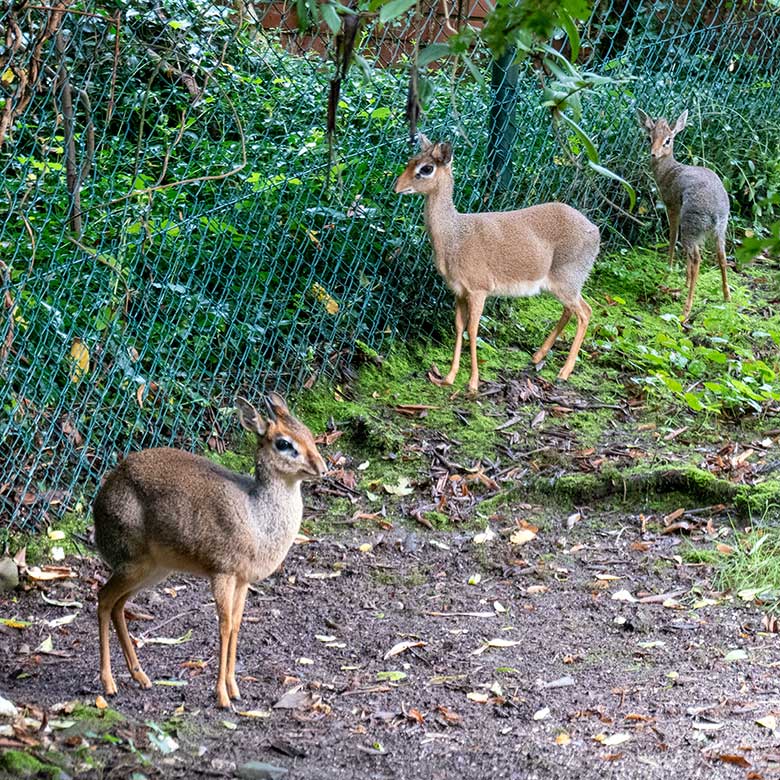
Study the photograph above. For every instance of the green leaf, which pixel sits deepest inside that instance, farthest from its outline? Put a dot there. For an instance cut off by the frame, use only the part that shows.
(332, 19)
(433, 52)
(600, 169)
(693, 401)
(474, 70)
(392, 676)
(570, 29)
(394, 9)
(590, 147)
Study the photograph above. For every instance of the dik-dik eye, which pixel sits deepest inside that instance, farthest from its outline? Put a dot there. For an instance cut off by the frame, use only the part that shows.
(426, 170)
(285, 445)
(667, 141)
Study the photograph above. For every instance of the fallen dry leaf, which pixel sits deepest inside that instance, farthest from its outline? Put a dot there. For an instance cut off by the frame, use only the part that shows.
(495, 643)
(728, 758)
(402, 647)
(613, 740)
(450, 716)
(48, 573)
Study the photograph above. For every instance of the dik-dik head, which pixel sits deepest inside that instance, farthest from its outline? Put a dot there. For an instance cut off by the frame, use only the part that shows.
(422, 171)
(284, 443)
(661, 135)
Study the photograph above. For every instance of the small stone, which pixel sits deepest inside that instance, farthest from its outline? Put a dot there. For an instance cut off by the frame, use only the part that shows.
(9, 574)
(7, 709)
(257, 770)
(223, 766)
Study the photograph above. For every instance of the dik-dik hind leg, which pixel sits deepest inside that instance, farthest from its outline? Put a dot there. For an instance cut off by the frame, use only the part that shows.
(239, 600)
(541, 353)
(223, 587)
(461, 319)
(111, 601)
(583, 312)
(694, 263)
(721, 250)
(476, 303)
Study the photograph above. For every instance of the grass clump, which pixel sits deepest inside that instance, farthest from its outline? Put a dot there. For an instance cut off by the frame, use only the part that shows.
(752, 570)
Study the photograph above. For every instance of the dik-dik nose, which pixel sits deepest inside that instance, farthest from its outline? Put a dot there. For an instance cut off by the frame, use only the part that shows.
(319, 467)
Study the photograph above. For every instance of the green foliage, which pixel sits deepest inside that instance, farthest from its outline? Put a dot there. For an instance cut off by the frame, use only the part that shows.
(725, 361)
(751, 570)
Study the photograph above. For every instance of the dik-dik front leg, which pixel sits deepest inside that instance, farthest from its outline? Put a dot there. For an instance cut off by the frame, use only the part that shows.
(674, 226)
(461, 319)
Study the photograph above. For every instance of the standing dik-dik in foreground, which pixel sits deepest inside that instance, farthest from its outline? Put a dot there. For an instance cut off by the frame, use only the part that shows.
(164, 510)
(696, 202)
(549, 247)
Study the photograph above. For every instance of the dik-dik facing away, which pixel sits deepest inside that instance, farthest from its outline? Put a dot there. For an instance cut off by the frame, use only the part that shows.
(696, 202)
(549, 247)
(164, 510)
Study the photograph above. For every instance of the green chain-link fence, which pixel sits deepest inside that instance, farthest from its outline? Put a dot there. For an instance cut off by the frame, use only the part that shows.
(176, 231)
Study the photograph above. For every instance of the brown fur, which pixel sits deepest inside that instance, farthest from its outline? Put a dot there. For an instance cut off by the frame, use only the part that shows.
(164, 510)
(697, 204)
(549, 247)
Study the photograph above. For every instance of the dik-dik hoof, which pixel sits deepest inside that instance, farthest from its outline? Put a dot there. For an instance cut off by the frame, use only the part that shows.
(233, 691)
(109, 686)
(141, 678)
(440, 381)
(223, 700)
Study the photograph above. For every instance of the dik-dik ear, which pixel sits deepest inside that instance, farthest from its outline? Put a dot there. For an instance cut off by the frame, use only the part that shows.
(645, 121)
(442, 153)
(424, 142)
(249, 418)
(277, 406)
(680, 123)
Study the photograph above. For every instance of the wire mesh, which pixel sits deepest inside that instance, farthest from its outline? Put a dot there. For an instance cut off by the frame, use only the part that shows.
(176, 231)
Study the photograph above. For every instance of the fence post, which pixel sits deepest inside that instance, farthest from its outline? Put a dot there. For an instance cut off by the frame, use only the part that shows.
(502, 122)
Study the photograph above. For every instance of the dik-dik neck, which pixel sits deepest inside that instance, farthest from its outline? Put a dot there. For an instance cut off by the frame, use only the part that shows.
(441, 218)
(665, 168)
(269, 484)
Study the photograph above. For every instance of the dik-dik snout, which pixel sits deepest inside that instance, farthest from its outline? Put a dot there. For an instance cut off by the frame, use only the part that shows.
(164, 510)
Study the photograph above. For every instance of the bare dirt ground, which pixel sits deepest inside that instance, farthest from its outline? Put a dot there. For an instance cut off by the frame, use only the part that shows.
(590, 651)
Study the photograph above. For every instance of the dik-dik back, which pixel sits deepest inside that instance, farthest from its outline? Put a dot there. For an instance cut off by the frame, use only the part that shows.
(164, 510)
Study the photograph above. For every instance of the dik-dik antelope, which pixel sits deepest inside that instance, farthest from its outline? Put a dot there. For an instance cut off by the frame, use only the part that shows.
(697, 204)
(164, 510)
(550, 246)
